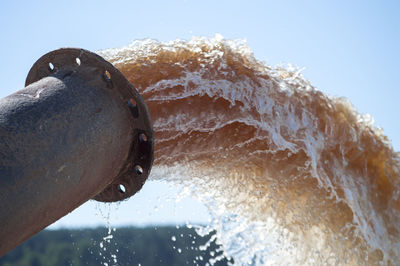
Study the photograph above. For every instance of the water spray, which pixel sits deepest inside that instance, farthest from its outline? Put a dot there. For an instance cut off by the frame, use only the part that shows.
(78, 131)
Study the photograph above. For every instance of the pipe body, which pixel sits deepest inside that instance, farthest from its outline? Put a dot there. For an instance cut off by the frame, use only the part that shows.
(63, 140)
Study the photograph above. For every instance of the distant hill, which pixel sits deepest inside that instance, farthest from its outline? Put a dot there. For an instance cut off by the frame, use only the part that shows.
(126, 246)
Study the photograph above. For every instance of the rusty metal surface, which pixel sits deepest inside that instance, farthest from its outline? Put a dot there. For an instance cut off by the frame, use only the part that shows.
(137, 168)
(78, 131)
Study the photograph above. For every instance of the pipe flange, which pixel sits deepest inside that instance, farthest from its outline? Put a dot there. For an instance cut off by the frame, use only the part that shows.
(140, 159)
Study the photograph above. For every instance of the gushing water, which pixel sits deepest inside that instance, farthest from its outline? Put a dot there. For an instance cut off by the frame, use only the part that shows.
(290, 175)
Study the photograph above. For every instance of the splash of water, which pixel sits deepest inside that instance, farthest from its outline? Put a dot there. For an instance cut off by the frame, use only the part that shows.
(291, 176)
(104, 211)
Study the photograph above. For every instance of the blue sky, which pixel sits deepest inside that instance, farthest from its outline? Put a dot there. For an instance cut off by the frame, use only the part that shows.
(348, 48)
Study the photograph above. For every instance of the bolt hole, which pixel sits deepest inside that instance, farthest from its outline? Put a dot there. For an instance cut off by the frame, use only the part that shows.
(107, 75)
(138, 169)
(132, 102)
(121, 188)
(142, 137)
(78, 61)
(133, 107)
(51, 67)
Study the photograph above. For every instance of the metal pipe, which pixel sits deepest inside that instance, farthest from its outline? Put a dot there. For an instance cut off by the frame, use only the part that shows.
(78, 130)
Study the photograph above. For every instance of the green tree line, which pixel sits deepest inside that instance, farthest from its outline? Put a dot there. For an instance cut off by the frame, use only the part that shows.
(165, 245)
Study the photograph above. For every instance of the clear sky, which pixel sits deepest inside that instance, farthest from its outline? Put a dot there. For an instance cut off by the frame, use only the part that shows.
(348, 48)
